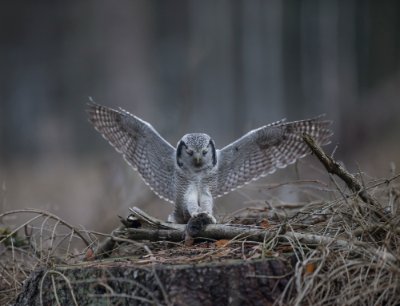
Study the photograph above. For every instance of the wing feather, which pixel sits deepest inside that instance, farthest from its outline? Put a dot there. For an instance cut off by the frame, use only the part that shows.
(264, 150)
(141, 145)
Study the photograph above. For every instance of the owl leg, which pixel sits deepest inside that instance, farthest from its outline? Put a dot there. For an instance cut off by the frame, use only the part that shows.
(199, 220)
(189, 205)
(200, 217)
(206, 206)
(192, 209)
(196, 210)
(185, 207)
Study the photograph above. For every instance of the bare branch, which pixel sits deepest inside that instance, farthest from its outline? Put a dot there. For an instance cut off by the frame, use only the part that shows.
(333, 167)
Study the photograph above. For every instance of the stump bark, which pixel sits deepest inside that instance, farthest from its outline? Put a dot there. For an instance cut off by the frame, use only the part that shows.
(259, 282)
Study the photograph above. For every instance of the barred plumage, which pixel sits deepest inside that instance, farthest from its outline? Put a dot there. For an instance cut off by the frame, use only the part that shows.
(141, 146)
(195, 173)
(264, 150)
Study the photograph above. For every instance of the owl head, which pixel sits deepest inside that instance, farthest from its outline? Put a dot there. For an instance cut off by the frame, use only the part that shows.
(196, 151)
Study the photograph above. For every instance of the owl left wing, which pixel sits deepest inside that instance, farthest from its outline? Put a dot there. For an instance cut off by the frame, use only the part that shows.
(141, 146)
(264, 150)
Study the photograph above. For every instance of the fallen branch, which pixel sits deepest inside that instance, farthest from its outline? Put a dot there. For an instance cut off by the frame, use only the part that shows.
(212, 231)
(105, 248)
(333, 167)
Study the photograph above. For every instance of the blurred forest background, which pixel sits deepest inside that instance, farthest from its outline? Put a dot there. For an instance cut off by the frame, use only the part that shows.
(220, 67)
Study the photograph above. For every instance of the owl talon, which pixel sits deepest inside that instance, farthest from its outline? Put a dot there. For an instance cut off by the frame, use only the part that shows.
(203, 214)
(198, 222)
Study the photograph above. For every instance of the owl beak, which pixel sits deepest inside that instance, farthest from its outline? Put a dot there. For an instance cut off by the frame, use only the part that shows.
(197, 161)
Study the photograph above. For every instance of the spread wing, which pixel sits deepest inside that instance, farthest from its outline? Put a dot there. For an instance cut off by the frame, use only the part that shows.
(263, 150)
(141, 146)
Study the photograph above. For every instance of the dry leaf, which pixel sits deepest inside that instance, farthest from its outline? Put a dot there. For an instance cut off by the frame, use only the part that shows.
(284, 248)
(221, 243)
(310, 268)
(89, 255)
(264, 223)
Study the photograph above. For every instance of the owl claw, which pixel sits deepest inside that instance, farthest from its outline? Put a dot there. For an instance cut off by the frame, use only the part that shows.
(198, 222)
(213, 220)
(205, 215)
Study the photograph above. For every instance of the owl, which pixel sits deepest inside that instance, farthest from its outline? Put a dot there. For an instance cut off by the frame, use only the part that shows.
(194, 173)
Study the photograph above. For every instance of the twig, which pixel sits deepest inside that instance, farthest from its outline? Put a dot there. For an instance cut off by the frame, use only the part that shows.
(105, 248)
(149, 221)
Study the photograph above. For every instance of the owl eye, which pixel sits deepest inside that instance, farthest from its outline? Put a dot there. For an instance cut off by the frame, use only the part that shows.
(189, 152)
(205, 152)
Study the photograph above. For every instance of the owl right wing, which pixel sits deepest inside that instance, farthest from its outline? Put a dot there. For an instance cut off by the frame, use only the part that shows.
(264, 150)
(141, 146)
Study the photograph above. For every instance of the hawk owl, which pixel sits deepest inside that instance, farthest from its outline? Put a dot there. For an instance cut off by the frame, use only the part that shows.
(195, 173)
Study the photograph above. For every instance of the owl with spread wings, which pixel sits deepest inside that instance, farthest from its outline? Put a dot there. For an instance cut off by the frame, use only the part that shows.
(194, 173)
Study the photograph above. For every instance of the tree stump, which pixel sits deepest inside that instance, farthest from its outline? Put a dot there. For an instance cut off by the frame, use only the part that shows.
(236, 282)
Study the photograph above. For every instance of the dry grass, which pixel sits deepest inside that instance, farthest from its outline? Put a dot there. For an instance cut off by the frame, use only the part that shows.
(346, 252)
(365, 268)
(37, 239)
